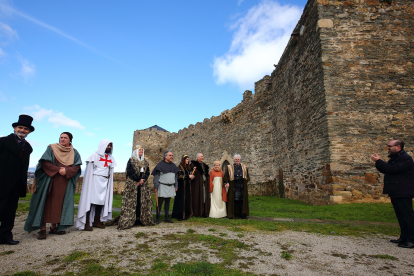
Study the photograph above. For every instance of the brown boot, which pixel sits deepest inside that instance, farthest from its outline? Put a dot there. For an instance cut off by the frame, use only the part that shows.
(87, 225)
(41, 235)
(97, 222)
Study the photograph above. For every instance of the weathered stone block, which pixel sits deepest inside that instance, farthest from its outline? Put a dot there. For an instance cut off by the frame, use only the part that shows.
(335, 199)
(371, 177)
(325, 23)
(342, 193)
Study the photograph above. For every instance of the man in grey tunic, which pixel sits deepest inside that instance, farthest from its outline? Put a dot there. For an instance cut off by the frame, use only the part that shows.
(165, 183)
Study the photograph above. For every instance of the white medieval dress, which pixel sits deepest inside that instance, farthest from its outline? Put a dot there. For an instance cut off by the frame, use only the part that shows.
(218, 195)
(98, 185)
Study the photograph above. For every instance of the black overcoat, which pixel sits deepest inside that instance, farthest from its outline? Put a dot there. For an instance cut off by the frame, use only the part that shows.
(398, 175)
(13, 168)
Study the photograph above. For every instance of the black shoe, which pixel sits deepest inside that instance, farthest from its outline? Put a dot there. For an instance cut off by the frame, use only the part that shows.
(9, 242)
(167, 219)
(397, 241)
(406, 244)
(157, 218)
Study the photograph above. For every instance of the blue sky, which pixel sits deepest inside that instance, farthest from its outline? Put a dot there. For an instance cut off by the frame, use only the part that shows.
(103, 69)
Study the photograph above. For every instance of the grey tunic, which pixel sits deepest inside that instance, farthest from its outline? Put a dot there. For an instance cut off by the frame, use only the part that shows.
(165, 184)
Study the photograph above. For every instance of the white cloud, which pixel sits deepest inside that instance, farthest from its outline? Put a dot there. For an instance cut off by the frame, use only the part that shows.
(8, 31)
(90, 134)
(28, 69)
(259, 40)
(128, 144)
(54, 117)
(239, 2)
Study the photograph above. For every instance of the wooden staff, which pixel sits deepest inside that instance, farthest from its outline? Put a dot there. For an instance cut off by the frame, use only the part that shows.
(156, 198)
(192, 173)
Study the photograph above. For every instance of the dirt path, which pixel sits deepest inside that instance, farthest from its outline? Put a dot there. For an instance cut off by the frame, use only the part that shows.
(257, 252)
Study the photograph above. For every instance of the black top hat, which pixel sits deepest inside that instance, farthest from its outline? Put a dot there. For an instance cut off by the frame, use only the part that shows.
(25, 120)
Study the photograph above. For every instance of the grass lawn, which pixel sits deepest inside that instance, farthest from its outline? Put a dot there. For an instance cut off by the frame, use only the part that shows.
(271, 206)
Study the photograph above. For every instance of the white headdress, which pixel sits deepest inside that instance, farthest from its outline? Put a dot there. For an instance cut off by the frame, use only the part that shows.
(135, 153)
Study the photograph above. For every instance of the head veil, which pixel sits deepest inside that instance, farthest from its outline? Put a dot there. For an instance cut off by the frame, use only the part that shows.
(135, 153)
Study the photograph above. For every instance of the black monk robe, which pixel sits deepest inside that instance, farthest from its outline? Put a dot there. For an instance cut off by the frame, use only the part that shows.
(200, 190)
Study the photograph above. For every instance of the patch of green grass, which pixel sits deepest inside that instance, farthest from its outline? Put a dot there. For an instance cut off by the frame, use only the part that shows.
(75, 256)
(6, 253)
(351, 229)
(386, 257)
(226, 249)
(203, 268)
(342, 256)
(159, 266)
(223, 234)
(240, 235)
(237, 229)
(191, 231)
(141, 235)
(22, 208)
(286, 255)
(25, 273)
(273, 206)
(53, 261)
(212, 230)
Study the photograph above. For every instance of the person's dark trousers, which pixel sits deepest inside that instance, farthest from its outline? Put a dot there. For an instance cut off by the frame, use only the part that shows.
(403, 207)
(166, 208)
(239, 207)
(8, 207)
(138, 208)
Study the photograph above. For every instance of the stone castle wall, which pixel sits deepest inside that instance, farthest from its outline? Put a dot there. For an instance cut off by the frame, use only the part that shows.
(368, 55)
(301, 143)
(341, 90)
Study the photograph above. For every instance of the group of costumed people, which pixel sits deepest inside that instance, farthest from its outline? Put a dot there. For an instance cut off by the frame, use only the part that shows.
(197, 191)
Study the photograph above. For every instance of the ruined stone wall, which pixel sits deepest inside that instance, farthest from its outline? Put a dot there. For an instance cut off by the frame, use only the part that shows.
(341, 90)
(245, 129)
(367, 55)
(301, 142)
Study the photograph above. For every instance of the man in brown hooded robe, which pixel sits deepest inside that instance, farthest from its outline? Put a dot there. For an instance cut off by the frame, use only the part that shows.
(236, 179)
(200, 187)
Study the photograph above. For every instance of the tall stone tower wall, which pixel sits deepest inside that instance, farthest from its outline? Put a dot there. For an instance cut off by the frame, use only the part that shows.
(367, 55)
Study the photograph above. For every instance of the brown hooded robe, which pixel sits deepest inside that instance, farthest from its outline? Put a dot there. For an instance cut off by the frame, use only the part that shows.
(228, 178)
(200, 190)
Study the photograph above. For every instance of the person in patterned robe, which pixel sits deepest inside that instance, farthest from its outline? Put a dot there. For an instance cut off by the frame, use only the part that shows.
(136, 200)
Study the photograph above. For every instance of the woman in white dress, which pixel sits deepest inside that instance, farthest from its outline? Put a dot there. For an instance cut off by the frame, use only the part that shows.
(217, 193)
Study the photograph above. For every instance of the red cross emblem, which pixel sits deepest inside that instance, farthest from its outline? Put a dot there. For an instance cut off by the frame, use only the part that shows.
(106, 160)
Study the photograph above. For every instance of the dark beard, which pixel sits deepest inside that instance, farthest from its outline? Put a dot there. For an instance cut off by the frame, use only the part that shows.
(108, 150)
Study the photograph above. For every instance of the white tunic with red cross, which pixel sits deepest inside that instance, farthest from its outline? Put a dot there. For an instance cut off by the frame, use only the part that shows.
(97, 187)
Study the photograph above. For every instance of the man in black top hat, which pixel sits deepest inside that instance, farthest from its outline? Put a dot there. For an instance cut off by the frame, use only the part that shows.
(14, 162)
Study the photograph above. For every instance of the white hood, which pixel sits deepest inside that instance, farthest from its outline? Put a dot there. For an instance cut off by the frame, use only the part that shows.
(100, 153)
